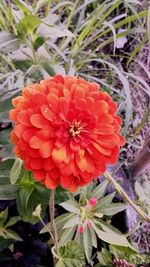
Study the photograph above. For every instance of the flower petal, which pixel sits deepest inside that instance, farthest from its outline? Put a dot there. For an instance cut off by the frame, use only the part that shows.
(23, 118)
(105, 129)
(81, 162)
(35, 142)
(39, 174)
(46, 149)
(66, 181)
(51, 183)
(38, 121)
(36, 164)
(101, 149)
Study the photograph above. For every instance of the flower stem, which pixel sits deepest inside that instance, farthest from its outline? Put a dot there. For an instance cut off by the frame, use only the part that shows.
(124, 195)
(53, 226)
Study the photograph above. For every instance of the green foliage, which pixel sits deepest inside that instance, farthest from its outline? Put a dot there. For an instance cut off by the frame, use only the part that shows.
(105, 256)
(28, 24)
(73, 37)
(23, 188)
(71, 255)
(94, 220)
(7, 190)
(30, 195)
(61, 195)
(15, 171)
(22, 6)
(7, 236)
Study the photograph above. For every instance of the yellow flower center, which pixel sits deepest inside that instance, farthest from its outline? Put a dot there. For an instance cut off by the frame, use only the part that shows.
(75, 128)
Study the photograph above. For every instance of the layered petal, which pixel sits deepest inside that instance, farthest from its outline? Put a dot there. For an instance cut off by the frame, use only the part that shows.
(66, 130)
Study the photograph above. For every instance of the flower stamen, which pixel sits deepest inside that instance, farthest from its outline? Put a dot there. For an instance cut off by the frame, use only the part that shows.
(76, 128)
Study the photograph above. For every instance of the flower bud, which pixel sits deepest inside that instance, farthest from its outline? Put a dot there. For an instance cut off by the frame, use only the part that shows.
(92, 202)
(80, 229)
(89, 224)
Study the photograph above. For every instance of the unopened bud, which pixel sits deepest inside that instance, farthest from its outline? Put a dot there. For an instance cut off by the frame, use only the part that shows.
(37, 211)
(92, 202)
(89, 224)
(80, 229)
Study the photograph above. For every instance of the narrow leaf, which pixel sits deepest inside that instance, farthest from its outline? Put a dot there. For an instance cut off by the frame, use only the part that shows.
(74, 220)
(67, 235)
(87, 241)
(15, 171)
(71, 205)
(100, 190)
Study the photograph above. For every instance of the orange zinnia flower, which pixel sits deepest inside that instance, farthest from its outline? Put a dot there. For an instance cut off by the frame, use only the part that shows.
(66, 131)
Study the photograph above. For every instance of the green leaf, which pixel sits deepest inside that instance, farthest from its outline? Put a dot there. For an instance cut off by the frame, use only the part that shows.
(118, 254)
(112, 237)
(74, 220)
(112, 209)
(71, 205)
(24, 8)
(100, 190)
(31, 194)
(60, 221)
(104, 257)
(12, 235)
(119, 251)
(23, 65)
(26, 189)
(12, 221)
(67, 235)
(94, 238)
(6, 164)
(61, 195)
(3, 216)
(87, 241)
(48, 67)
(71, 255)
(15, 171)
(4, 136)
(103, 202)
(28, 24)
(107, 227)
(38, 43)
(7, 191)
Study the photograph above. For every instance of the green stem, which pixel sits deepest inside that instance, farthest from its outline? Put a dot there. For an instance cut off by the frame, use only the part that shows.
(120, 190)
(53, 226)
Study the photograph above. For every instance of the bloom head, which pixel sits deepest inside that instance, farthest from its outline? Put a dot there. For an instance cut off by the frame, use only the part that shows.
(66, 131)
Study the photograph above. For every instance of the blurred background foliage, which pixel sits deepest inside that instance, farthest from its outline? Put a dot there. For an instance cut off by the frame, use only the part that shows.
(103, 41)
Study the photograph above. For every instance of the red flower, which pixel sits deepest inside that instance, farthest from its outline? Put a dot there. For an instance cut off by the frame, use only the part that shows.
(66, 131)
